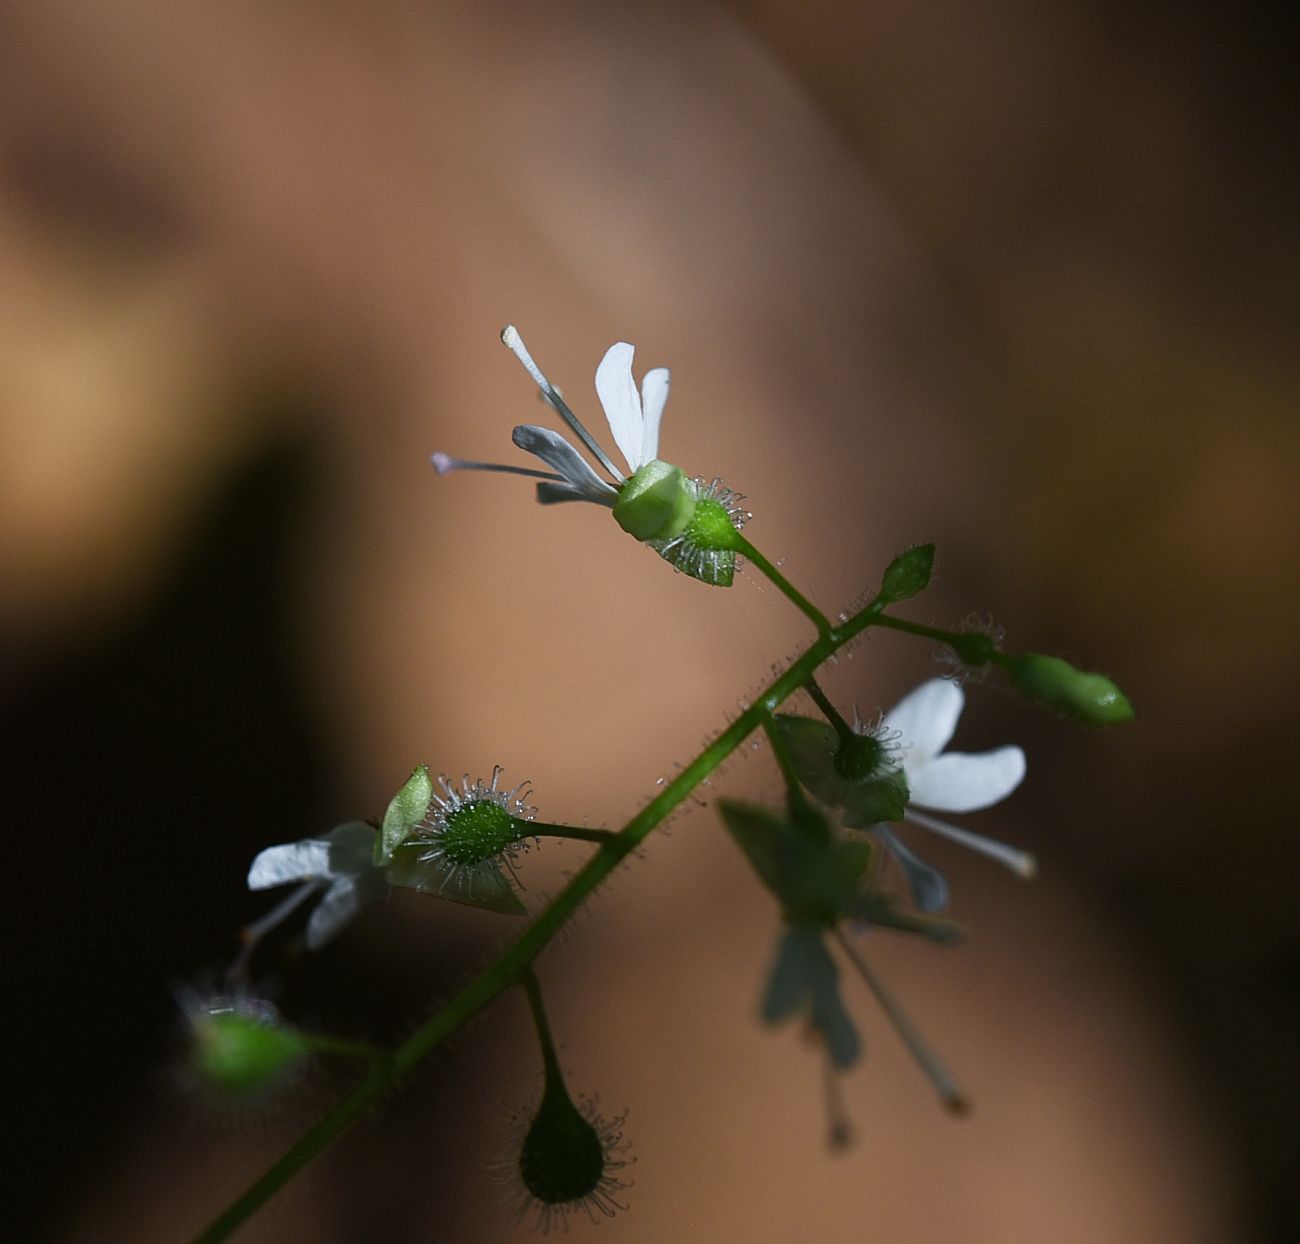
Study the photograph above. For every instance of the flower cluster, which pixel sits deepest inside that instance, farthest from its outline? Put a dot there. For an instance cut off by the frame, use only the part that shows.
(849, 788)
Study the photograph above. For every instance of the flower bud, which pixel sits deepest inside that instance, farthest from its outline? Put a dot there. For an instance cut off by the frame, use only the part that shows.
(908, 574)
(1091, 699)
(568, 1160)
(241, 1050)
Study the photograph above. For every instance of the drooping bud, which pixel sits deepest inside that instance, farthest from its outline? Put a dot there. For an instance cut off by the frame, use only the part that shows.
(568, 1160)
(1091, 699)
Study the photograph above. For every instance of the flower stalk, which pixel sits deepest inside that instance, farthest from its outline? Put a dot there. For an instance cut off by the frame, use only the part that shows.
(510, 966)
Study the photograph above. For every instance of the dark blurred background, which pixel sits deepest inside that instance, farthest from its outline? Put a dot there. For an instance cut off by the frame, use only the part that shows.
(1016, 278)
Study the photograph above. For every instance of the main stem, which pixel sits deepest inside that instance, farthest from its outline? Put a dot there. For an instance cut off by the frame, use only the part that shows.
(515, 961)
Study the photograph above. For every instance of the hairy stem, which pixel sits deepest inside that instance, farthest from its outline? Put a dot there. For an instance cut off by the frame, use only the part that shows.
(516, 960)
(784, 586)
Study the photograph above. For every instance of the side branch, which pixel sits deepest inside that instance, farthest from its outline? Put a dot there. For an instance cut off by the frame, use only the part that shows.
(510, 967)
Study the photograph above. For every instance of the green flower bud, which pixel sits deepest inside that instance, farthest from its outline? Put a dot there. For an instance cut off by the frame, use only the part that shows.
(562, 1159)
(656, 503)
(241, 1050)
(405, 811)
(908, 574)
(1091, 699)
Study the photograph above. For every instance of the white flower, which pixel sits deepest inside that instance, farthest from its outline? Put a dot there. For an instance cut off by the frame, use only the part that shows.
(938, 781)
(341, 864)
(633, 420)
(693, 524)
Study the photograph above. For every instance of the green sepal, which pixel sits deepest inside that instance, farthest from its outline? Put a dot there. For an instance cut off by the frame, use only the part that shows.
(908, 574)
(484, 885)
(1091, 699)
(817, 754)
(875, 801)
(404, 813)
(814, 876)
(656, 503)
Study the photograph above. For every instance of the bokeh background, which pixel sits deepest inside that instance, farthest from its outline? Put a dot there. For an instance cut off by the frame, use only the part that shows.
(1017, 278)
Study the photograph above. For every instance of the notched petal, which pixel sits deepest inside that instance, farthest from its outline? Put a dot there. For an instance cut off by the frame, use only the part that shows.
(622, 404)
(961, 782)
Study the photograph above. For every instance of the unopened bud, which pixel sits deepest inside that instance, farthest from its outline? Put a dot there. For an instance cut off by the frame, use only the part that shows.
(569, 1160)
(908, 574)
(405, 811)
(1091, 699)
(241, 1049)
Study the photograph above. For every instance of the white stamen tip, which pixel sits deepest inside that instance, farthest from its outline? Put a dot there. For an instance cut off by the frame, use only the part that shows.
(443, 463)
(1019, 862)
(510, 336)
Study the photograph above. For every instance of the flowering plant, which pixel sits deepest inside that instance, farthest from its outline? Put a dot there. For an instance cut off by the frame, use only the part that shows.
(845, 787)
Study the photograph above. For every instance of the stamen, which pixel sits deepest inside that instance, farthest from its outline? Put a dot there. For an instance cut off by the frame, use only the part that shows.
(1020, 862)
(252, 934)
(444, 464)
(510, 337)
(930, 1063)
(839, 1129)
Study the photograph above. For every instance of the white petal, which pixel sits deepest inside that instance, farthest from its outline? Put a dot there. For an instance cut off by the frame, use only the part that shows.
(617, 392)
(654, 393)
(340, 903)
(556, 452)
(291, 861)
(926, 719)
(553, 494)
(352, 848)
(958, 782)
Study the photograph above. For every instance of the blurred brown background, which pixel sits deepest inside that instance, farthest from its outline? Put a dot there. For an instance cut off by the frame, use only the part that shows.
(1016, 278)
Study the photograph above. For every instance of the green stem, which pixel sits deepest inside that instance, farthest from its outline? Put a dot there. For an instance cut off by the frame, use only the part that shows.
(970, 646)
(510, 967)
(796, 800)
(341, 1047)
(930, 1063)
(829, 711)
(784, 586)
(531, 986)
(541, 829)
